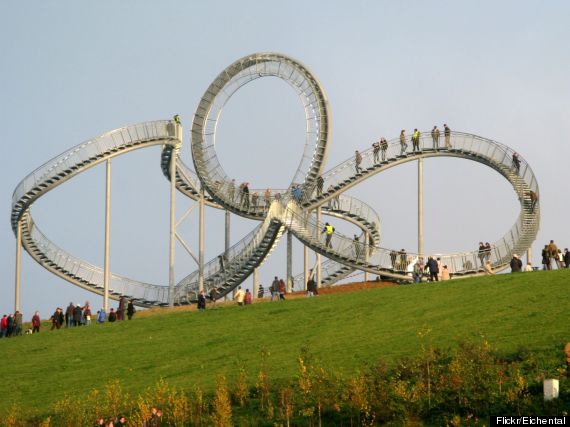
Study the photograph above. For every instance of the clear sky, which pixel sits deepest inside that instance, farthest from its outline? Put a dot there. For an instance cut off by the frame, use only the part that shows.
(73, 70)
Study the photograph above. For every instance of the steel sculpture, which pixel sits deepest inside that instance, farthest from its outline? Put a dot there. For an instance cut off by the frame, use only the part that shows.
(297, 208)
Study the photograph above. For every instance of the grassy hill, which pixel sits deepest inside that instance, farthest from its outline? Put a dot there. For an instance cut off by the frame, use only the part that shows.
(344, 331)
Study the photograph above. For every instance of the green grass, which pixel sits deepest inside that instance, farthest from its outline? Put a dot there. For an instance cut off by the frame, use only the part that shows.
(344, 331)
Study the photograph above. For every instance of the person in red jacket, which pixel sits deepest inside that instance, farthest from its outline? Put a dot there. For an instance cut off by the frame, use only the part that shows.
(3, 326)
(36, 322)
(247, 298)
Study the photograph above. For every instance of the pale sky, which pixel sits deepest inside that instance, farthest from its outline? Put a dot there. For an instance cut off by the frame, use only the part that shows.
(71, 71)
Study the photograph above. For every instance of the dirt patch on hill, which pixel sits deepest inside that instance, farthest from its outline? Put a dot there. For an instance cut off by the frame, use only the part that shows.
(349, 287)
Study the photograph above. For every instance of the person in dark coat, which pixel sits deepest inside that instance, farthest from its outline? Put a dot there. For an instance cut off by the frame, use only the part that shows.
(202, 301)
(77, 315)
(516, 264)
(131, 310)
(112, 315)
(433, 268)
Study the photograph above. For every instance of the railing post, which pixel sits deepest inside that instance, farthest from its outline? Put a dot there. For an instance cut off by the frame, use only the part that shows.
(106, 274)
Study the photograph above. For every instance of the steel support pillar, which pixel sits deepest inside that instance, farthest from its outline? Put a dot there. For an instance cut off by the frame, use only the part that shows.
(255, 282)
(227, 234)
(107, 255)
(18, 266)
(201, 243)
(421, 207)
(305, 266)
(366, 249)
(318, 254)
(289, 261)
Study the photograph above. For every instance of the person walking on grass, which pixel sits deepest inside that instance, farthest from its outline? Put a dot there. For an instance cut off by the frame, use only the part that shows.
(36, 322)
(282, 290)
(274, 289)
(240, 295)
(131, 310)
(516, 264)
(202, 301)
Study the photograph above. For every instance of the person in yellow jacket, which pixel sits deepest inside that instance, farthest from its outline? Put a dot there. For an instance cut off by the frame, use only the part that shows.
(328, 231)
(416, 140)
(240, 296)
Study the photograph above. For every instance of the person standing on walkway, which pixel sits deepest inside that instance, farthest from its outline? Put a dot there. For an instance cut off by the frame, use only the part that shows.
(376, 152)
(383, 147)
(320, 184)
(435, 137)
(447, 135)
(416, 140)
(403, 144)
(516, 163)
(357, 161)
(267, 198)
(328, 231)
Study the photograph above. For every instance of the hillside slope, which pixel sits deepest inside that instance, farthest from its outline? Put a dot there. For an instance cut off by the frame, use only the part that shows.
(345, 331)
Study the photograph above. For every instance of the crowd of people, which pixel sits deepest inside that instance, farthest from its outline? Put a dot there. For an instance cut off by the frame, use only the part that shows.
(73, 316)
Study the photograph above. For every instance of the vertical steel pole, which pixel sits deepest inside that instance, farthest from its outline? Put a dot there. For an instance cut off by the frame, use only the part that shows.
(421, 207)
(529, 255)
(18, 266)
(171, 256)
(318, 255)
(255, 282)
(201, 243)
(365, 248)
(305, 266)
(289, 260)
(227, 235)
(107, 265)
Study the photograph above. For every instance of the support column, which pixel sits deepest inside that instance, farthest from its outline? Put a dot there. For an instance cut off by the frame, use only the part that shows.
(366, 249)
(255, 282)
(227, 235)
(289, 260)
(107, 266)
(318, 254)
(420, 207)
(529, 255)
(305, 266)
(201, 243)
(18, 266)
